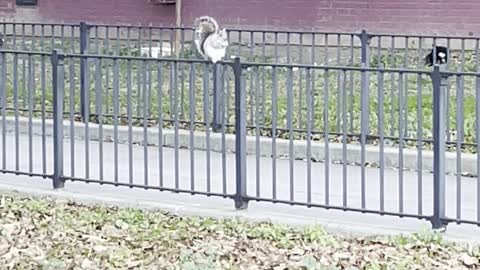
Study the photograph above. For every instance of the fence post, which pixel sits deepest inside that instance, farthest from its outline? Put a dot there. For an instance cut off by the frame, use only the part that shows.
(3, 82)
(365, 84)
(58, 87)
(439, 82)
(240, 137)
(84, 37)
(217, 97)
(365, 40)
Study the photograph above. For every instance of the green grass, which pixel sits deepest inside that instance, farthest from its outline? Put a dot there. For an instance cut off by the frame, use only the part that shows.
(44, 233)
(260, 90)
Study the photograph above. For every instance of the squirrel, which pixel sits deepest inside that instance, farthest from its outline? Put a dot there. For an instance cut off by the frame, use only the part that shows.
(440, 58)
(211, 42)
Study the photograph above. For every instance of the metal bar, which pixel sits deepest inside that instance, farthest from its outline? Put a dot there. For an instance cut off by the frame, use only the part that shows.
(143, 84)
(477, 135)
(62, 37)
(339, 93)
(344, 137)
(24, 69)
(257, 132)
(86, 108)
(206, 105)
(130, 122)
(240, 138)
(420, 143)
(309, 119)
(84, 36)
(460, 137)
(97, 43)
(405, 116)
(182, 77)
(116, 107)
(263, 79)
(381, 120)
(326, 136)
(117, 41)
(364, 130)
(300, 85)
(72, 38)
(251, 94)
(71, 113)
(107, 71)
(276, 47)
(351, 83)
(217, 98)
(274, 132)
(439, 83)
(175, 125)
(392, 88)
(15, 105)
(401, 142)
(58, 94)
(477, 122)
(224, 130)
(3, 89)
(325, 50)
(139, 88)
(192, 101)
(30, 92)
(99, 100)
(149, 88)
(448, 105)
(43, 109)
(290, 131)
(152, 187)
(160, 121)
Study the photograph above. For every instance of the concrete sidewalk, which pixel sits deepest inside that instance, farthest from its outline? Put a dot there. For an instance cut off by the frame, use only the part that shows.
(221, 177)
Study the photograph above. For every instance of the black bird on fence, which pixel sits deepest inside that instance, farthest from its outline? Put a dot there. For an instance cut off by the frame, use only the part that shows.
(441, 56)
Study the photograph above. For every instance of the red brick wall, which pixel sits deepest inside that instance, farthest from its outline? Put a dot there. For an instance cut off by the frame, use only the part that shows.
(406, 16)
(7, 6)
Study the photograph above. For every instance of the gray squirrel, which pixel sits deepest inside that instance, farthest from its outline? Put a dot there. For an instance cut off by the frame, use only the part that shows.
(211, 42)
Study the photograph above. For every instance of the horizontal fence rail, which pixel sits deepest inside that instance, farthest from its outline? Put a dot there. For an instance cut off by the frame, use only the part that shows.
(359, 137)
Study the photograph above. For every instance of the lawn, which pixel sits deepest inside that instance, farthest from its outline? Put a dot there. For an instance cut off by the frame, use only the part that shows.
(45, 233)
(161, 91)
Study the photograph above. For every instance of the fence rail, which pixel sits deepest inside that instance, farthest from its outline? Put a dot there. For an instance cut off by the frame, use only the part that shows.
(277, 136)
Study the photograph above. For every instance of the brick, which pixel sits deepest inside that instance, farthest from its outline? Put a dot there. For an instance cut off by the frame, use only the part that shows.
(7, 5)
(401, 16)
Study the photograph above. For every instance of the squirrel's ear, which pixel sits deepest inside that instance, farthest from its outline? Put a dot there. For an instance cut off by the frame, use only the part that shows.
(224, 32)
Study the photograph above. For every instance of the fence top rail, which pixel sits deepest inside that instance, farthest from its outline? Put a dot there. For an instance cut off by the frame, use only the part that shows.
(256, 30)
(39, 24)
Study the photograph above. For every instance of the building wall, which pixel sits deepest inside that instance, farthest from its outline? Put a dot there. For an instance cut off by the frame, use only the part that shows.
(406, 16)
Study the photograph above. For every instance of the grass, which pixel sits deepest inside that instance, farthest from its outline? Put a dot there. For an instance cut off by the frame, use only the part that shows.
(44, 233)
(334, 90)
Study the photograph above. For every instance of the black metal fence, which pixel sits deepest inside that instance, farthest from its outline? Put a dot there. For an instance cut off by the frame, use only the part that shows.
(296, 125)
